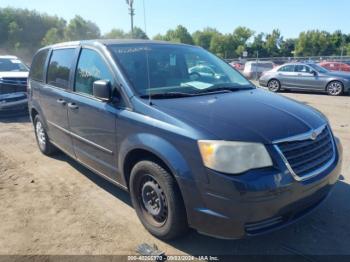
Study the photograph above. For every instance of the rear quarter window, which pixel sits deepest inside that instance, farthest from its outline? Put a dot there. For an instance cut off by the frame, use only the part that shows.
(37, 68)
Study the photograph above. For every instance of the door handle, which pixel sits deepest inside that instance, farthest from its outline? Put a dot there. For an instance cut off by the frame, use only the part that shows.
(61, 101)
(73, 106)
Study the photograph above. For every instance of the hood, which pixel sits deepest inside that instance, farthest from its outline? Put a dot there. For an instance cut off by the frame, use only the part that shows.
(253, 115)
(14, 74)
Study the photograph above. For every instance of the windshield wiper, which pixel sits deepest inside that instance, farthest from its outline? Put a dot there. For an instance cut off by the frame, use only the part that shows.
(223, 88)
(167, 95)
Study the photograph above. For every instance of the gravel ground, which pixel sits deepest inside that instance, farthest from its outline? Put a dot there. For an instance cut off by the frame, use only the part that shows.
(56, 206)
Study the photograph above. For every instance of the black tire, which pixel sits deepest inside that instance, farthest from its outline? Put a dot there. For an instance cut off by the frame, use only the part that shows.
(335, 88)
(274, 85)
(42, 138)
(157, 200)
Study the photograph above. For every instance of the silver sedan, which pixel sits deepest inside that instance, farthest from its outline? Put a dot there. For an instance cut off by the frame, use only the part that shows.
(306, 77)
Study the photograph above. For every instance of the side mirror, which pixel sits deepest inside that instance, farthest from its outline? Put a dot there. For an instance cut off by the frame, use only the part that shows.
(102, 90)
(313, 72)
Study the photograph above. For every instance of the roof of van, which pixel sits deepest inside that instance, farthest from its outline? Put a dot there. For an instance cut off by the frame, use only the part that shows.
(113, 42)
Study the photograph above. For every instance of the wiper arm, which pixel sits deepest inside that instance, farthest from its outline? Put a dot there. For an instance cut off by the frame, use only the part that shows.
(216, 89)
(167, 95)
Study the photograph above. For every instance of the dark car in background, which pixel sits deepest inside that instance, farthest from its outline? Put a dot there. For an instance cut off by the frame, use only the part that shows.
(193, 150)
(13, 86)
(306, 77)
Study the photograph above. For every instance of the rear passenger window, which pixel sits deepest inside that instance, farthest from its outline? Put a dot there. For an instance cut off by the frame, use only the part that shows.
(60, 63)
(37, 68)
(287, 68)
(91, 67)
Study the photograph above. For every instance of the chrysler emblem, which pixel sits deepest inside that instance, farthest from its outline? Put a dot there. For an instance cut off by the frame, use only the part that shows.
(314, 136)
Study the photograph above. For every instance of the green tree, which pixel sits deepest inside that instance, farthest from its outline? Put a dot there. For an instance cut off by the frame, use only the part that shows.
(203, 38)
(115, 34)
(80, 29)
(241, 35)
(138, 34)
(288, 47)
(258, 46)
(159, 37)
(274, 43)
(219, 45)
(52, 36)
(14, 34)
(314, 43)
(180, 35)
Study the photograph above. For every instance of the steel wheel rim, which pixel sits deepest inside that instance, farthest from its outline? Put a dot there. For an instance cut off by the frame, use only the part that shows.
(335, 88)
(274, 85)
(152, 201)
(40, 134)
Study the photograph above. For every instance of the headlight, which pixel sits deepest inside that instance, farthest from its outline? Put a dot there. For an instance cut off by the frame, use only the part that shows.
(233, 157)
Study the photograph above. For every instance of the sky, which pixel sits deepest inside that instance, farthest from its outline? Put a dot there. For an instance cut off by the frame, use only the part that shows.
(290, 16)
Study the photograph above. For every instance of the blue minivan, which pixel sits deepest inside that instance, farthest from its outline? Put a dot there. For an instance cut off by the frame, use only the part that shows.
(202, 149)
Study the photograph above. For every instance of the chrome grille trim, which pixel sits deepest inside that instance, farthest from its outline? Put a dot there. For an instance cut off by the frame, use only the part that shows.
(306, 136)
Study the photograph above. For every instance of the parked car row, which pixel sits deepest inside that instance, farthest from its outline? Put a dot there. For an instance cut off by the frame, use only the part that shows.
(13, 86)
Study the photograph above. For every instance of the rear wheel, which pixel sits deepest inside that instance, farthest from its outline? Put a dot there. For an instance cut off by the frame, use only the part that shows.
(42, 139)
(274, 85)
(335, 88)
(157, 200)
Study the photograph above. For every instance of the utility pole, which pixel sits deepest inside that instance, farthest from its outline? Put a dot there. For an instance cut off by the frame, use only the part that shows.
(130, 3)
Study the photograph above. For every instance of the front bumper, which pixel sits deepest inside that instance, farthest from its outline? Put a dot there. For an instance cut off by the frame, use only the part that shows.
(259, 201)
(14, 108)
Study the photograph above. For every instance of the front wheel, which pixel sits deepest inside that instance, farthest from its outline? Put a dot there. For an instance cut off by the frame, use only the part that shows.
(157, 200)
(335, 88)
(274, 85)
(42, 139)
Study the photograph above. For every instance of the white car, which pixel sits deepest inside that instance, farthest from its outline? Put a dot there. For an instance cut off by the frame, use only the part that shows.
(13, 86)
(255, 69)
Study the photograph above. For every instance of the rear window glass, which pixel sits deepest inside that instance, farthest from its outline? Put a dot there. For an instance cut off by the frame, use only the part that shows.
(59, 68)
(37, 68)
(287, 68)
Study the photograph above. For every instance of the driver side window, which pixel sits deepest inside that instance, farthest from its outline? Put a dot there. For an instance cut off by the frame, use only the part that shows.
(91, 67)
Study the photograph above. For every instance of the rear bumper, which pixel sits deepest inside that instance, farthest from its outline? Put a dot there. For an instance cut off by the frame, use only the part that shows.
(258, 202)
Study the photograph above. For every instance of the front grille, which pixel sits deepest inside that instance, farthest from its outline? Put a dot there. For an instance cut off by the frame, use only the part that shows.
(16, 98)
(13, 85)
(307, 156)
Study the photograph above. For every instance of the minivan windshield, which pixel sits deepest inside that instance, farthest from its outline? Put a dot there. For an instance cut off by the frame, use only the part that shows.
(175, 70)
(12, 65)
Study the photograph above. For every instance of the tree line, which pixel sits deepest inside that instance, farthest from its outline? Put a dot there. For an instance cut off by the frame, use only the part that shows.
(23, 31)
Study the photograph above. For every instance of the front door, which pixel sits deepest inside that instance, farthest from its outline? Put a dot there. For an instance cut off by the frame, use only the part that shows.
(305, 78)
(54, 98)
(92, 121)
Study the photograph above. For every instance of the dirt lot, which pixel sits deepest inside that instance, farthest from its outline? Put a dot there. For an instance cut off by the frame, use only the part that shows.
(56, 206)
